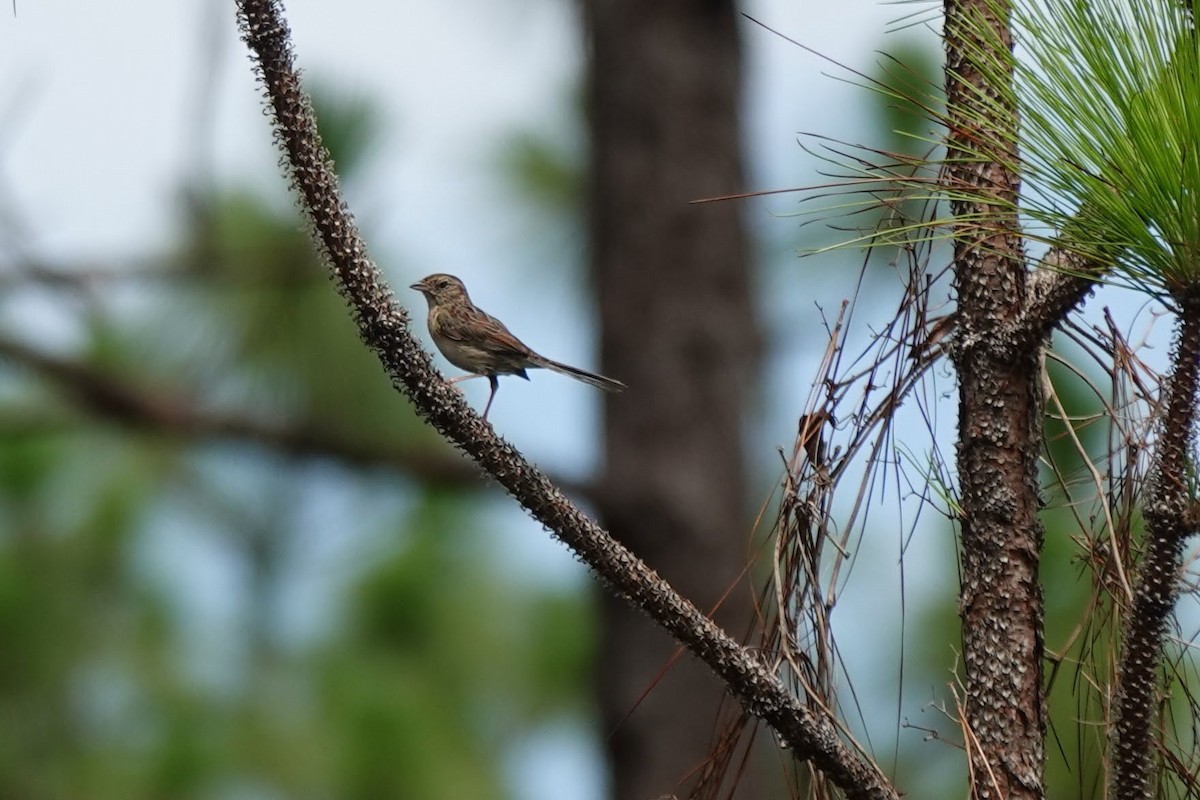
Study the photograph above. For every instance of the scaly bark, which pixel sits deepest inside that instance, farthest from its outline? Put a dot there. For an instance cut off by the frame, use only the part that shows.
(1169, 520)
(1000, 413)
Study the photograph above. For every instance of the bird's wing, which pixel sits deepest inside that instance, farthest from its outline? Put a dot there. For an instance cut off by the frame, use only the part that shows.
(499, 339)
(481, 330)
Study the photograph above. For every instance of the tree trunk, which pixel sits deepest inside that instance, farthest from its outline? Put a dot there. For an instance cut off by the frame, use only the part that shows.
(999, 415)
(678, 326)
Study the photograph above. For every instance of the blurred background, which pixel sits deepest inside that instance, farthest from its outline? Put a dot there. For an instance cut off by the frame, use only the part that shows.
(232, 562)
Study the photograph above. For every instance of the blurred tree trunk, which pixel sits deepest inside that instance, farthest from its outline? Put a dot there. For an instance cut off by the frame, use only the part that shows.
(678, 326)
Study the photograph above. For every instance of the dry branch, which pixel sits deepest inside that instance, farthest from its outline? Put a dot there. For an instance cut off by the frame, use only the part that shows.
(383, 325)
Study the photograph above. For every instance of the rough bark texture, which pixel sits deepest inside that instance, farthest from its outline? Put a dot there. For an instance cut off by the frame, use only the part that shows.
(678, 326)
(384, 326)
(1168, 522)
(1000, 412)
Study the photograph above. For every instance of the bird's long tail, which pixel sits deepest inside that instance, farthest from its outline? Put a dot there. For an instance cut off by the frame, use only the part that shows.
(599, 381)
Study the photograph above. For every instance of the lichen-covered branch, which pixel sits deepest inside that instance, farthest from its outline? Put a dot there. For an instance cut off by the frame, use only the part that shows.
(383, 325)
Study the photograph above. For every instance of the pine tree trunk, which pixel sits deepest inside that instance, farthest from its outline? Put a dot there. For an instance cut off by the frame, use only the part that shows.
(678, 326)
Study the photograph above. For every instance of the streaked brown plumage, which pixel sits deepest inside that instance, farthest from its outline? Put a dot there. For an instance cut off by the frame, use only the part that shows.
(474, 340)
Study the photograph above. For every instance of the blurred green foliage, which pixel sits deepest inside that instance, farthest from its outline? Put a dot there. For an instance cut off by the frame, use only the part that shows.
(117, 544)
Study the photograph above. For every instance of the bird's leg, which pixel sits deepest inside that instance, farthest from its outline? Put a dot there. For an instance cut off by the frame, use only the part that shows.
(464, 378)
(495, 382)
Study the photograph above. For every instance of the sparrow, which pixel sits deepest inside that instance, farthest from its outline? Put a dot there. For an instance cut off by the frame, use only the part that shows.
(474, 340)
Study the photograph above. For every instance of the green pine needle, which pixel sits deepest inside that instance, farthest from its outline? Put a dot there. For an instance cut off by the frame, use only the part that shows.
(1108, 93)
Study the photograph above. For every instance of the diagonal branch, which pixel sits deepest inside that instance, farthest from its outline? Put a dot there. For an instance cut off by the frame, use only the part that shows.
(383, 325)
(1064, 278)
(1062, 281)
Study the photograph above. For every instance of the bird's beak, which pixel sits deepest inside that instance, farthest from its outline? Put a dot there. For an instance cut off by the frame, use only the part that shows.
(419, 286)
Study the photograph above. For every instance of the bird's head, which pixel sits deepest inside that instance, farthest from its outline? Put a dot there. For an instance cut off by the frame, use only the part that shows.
(441, 289)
